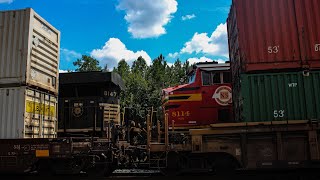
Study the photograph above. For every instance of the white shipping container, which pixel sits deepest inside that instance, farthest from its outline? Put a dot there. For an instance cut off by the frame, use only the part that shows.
(27, 113)
(29, 50)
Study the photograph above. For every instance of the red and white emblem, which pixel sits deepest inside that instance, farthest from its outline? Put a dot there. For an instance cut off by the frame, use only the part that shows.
(223, 95)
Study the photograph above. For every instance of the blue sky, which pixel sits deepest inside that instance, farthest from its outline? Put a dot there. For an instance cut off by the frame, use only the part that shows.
(111, 30)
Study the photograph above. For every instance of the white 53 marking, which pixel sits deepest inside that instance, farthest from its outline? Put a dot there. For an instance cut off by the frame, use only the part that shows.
(273, 49)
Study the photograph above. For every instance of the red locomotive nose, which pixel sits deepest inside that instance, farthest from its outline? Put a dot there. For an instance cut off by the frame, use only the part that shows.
(205, 100)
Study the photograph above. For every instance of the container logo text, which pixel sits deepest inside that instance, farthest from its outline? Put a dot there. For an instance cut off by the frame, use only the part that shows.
(39, 108)
(44, 27)
(292, 84)
(317, 47)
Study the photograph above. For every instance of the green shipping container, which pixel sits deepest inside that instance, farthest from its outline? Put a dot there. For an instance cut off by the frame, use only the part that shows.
(279, 97)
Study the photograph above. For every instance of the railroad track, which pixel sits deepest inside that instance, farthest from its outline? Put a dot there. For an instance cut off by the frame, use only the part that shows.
(306, 174)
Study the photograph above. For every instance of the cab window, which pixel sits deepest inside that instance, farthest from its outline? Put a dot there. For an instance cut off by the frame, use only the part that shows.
(216, 79)
(226, 77)
(210, 78)
(206, 78)
(191, 78)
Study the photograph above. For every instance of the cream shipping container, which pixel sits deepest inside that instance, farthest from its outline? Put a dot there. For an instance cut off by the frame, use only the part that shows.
(29, 50)
(27, 113)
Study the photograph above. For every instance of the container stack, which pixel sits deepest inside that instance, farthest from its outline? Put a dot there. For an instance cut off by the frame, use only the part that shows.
(274, 49)
(29, 61)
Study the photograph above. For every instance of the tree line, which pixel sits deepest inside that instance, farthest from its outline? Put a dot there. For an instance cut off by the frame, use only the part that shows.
(143, 83)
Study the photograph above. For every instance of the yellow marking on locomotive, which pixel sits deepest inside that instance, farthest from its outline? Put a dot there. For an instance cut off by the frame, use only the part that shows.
(180, 113)
(42, 153)
(37, 108)
(193, 97)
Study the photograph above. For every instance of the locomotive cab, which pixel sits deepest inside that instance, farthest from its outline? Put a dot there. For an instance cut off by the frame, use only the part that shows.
(205, 100)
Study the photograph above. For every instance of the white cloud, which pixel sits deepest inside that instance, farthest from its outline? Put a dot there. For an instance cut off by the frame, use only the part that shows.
(6, 1)
(203, 59)
(215, 45)
(174, 55)
(169, 64)
(147, 18)
(188, 17)
(114, 50)
(62, 71)
(69, 55)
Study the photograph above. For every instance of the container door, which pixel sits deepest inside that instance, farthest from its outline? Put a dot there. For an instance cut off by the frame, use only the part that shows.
(44, 54)
(312, 94)
(33, 116)
(308, 21)
(40, 118)
(49, 119)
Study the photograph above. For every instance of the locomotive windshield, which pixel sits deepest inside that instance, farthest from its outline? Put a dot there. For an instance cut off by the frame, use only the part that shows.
(191, 77)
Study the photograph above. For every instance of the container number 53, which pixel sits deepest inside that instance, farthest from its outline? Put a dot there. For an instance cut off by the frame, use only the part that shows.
(278, 113)
(273, 49)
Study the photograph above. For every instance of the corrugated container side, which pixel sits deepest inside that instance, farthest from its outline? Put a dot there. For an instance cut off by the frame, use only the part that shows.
(27, 113)
(29, 50)
(263, 35)
(308, 21)
(14, 33)
(11, 113)
(312, 94)
(279, 96)
(44, 54)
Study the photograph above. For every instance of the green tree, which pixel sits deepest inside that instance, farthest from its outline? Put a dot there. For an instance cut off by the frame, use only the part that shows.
(177, 73)
(139, 66)
(144, 84)
(186, 68)
(123, 68)
(158, 79)
(87, 63)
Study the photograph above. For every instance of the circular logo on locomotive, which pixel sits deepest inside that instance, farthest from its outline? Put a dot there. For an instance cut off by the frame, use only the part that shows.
(223, 95)
(77, 111)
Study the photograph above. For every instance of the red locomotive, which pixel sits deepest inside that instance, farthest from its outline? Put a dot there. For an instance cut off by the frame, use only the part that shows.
(205, 100)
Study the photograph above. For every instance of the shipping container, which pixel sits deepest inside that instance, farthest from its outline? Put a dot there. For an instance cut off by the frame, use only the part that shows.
(263, 35)
(27, 113)
(308, 21)
(278, 96)
(29, 50)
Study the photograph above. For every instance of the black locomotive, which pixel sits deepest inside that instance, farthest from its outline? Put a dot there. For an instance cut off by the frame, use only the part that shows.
(88, 103)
